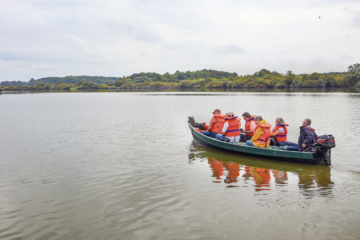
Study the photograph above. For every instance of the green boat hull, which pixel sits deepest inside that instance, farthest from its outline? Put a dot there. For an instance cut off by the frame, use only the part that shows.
(271, 152)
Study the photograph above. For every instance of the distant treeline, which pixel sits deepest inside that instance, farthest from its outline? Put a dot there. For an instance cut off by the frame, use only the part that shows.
(66, 80)
(195, 79)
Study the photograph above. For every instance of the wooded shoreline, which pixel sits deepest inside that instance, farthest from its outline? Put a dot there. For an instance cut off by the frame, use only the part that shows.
(118, 89)
(202, 79)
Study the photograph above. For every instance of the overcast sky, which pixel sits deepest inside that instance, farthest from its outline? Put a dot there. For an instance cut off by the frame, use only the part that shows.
(42, 38)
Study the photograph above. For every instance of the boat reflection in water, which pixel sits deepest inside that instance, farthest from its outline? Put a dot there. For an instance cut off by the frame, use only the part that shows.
(231, 171)
(237, 170)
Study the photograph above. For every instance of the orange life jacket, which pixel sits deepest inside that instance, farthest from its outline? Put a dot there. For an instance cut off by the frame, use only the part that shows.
(247, 125)
(233, 169)
(234, 127)
(283, 136)
(265, 137)
(218, 126)
(216, 168)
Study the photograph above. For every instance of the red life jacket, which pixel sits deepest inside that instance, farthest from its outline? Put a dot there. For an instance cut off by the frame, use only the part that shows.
(247, 125)
(234, 127)
(206, 126)
(265, 137)
(282, 137)
(197, 129)
(218, 126)
(313, 130)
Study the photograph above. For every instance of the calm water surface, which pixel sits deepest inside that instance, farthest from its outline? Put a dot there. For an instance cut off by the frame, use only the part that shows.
(125, 166)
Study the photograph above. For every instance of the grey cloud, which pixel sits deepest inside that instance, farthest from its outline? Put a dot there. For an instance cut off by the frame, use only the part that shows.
(317, 62)
(356, 15)
(279, 4)
(182, 45)
(137, 30)
(348, 58)
(61, 37)
(142, 54)
(357, 19)
(92, 20)
(228, 49)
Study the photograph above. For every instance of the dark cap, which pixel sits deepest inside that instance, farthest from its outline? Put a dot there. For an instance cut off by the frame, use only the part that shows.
(217, 110)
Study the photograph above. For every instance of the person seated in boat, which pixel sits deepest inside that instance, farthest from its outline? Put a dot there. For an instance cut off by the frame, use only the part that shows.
(250, 126)
(262, 133)
(306, 139)
(231, 128)
(216, 124)
(280, 132)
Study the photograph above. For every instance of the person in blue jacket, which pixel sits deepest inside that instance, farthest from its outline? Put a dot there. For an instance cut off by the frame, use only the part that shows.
(306, 139)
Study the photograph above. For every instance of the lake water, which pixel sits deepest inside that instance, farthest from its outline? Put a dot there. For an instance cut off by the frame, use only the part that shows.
(123, 165)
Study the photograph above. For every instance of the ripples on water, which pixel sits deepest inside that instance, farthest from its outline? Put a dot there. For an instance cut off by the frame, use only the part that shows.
(125, 166)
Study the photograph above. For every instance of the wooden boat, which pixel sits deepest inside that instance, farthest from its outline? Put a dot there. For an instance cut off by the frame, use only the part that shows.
(323, 156)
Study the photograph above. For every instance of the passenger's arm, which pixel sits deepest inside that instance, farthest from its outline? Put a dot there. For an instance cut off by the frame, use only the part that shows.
(274, 134)
(244, 131)
(225, 127)
(306, 141)
(252, 127)
(309, 139)
(212, 122)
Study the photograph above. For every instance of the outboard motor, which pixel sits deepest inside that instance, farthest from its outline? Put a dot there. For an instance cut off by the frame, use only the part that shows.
(324, 145)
